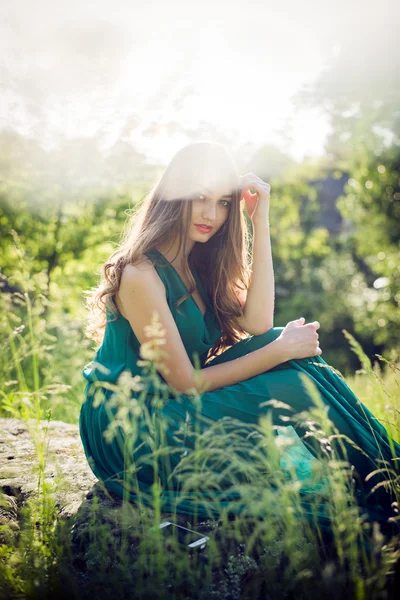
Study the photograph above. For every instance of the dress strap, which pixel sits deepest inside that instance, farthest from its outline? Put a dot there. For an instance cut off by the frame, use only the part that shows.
(181, 284)
(164, 262)
(160, 264)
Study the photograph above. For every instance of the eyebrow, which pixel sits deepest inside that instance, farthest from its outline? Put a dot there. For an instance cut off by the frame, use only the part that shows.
(209, 192)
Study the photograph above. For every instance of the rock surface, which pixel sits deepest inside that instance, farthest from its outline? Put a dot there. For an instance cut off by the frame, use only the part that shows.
(89, 513)
(65, 465)
(20, 444)
(83, 504)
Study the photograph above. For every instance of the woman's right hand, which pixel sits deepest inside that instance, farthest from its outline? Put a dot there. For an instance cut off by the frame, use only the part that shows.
(299, 340)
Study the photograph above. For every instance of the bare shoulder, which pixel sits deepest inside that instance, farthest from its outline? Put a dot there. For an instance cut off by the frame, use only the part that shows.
(138, 280)
(143, 263)
(142, 273)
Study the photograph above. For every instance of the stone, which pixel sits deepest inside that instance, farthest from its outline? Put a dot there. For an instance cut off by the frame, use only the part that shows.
(87, 512)
(98, 533)
(67, 476)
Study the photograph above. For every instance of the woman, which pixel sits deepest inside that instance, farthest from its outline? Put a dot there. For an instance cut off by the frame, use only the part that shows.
(184, 257)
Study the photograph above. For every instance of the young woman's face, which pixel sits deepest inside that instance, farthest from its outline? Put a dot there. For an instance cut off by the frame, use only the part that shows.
(210, 210)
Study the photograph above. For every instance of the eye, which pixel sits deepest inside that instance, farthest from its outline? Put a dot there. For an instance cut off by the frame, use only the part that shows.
(227, 203)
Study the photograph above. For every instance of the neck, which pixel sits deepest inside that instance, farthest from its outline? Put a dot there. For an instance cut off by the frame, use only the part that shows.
(170, 253)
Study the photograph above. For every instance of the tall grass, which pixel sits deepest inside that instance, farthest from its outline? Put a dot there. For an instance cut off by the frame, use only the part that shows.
(281, 525)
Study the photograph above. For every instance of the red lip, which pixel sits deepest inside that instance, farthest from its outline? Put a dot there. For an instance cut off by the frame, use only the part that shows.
(204, 226)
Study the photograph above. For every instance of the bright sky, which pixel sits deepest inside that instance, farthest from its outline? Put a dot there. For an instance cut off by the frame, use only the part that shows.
(128, 68)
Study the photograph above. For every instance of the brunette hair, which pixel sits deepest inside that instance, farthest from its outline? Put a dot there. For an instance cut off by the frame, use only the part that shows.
(223, 262)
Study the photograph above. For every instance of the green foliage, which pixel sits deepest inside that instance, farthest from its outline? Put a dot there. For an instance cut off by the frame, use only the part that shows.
(68, 224)
(372, 206)
(41, 353)
(60, 214)
(268, 550)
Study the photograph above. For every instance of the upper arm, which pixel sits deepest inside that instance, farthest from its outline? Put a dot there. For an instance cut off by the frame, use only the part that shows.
(241, 320)
(141, 294)
(242, 296)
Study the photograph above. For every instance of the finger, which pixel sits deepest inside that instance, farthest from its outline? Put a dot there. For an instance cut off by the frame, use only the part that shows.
(250, 179)
(248, 176)
(296, 321)
(256, 182)
(314, 324)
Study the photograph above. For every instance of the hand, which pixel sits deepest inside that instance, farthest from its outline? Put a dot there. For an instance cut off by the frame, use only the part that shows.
(299, 340)
(257, 204)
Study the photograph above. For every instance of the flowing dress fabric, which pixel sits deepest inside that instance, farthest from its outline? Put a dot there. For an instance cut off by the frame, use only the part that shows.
(244, 401)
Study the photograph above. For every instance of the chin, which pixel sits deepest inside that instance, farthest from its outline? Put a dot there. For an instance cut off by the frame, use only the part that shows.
(202, 239)
(198, 236)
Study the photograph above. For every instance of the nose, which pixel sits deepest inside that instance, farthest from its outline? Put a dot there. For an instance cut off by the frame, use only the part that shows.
(209, 211)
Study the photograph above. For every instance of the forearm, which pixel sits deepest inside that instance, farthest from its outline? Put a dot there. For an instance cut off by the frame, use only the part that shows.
(242, 368)
(260, 302)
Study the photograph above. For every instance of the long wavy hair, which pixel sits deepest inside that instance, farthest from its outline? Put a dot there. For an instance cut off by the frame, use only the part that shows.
(223, 262)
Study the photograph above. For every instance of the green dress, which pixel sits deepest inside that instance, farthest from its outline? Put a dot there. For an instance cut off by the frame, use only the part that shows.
(244, 401)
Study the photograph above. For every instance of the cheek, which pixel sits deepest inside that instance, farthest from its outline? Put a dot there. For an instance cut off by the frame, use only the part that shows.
(223, 216)
(196, 213)
(184, 214)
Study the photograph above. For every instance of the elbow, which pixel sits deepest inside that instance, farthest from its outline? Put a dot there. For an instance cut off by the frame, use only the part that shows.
(255, 328)
(183, 389)
(257, 325)
(193, 384)
(259, 329)
(184, 384)
(180, 387)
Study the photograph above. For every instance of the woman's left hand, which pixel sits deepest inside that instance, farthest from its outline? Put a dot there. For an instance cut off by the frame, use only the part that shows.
(257, 204)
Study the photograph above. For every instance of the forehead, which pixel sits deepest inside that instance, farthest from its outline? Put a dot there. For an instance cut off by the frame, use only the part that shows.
(217, 190)
(213, 182)
(216, 186)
